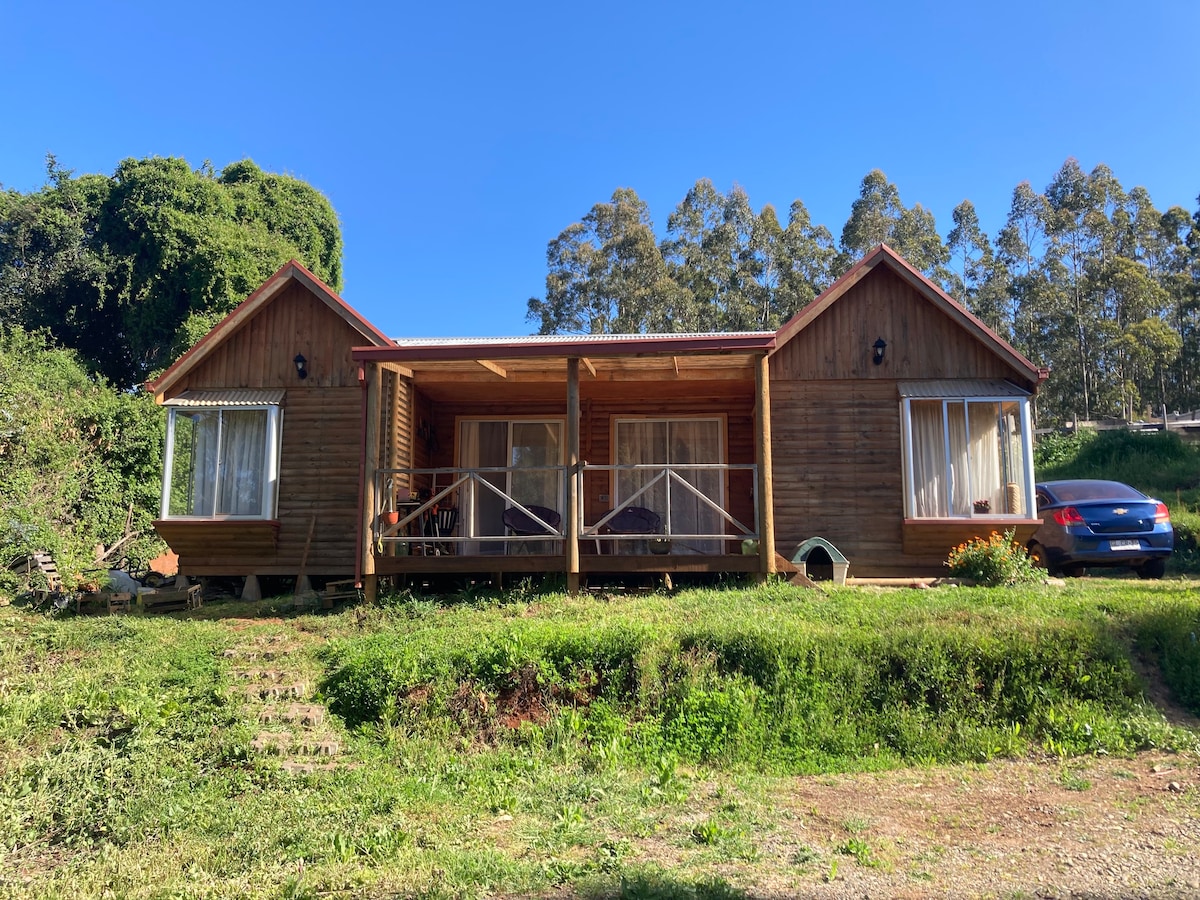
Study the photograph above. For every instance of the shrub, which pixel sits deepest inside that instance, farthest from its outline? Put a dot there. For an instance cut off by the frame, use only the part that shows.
(993, 561)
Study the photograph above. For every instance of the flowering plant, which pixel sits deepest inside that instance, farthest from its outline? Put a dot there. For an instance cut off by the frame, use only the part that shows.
(992, 561)
(982, 506)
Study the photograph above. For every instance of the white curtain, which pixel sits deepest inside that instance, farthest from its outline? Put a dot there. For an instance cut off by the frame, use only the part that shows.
(985, 471)
(673, 442)
(929, 458)
(243, 462)
(987, 485)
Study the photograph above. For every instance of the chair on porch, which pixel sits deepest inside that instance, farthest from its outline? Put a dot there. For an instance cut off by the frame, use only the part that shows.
(520, 523)
(635, 520)
(441, 524)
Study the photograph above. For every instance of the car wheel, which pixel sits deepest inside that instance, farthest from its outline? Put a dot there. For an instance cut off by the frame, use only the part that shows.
(1154, 568)
(1037, 556)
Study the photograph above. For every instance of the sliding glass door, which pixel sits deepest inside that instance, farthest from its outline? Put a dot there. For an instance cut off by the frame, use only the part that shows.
(524, 447)
(675, 442)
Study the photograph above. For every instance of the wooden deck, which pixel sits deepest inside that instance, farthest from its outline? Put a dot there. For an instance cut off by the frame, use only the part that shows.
(588, 564)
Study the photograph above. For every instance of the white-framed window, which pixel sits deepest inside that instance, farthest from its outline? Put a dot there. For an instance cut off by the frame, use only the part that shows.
(967, 455)
(673, 442)
(222, 461)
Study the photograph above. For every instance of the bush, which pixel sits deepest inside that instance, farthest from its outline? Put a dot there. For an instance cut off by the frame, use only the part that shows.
(993, 562)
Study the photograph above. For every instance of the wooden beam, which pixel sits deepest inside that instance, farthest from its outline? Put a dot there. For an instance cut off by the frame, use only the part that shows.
(571, 532)
(493, 367)
(403, 371)
(762, 456)
(374, 380)
(587, 364)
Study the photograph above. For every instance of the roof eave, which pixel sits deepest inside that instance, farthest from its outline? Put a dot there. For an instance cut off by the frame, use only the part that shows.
(599, 349)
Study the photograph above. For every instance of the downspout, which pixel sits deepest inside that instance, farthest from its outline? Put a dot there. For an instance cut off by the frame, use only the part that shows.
(362, 468)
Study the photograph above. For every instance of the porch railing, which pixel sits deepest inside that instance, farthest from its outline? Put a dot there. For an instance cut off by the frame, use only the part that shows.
(435, 489)
(458, 488)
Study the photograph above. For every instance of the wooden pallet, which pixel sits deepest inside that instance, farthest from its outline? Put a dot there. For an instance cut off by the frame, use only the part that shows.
(339, 590)
(158, 600)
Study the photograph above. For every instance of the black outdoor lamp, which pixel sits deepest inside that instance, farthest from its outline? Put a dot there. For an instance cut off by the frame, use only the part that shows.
(301, 366)
(879, 346)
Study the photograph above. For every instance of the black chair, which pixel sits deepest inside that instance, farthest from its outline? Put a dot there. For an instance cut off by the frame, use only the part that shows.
(441, 523)
(520, 523)
(633, 520)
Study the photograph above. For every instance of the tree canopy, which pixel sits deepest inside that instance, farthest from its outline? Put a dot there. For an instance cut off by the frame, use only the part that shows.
(1085, 277)
(129, 270)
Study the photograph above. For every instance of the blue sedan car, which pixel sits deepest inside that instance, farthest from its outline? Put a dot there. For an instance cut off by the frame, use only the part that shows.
(1100, 523)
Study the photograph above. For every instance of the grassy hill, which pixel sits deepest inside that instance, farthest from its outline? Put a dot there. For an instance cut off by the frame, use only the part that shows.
(511, 744)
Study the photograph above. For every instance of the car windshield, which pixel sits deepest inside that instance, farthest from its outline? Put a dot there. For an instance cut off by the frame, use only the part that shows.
(1076, 491)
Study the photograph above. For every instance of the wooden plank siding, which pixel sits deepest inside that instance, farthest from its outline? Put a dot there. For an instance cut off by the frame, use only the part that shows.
(836, 429)
(836, 455)
(260, 353)
(321, 441)
(922, 341)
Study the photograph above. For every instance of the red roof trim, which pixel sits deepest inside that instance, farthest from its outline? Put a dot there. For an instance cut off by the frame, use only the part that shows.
(269, 288)
(590, 346)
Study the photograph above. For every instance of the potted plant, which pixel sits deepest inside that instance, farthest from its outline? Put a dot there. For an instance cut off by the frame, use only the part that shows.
(982, 507)
(390, 515)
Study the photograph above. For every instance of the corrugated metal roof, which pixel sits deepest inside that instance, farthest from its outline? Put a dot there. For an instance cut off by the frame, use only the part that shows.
(227, 398)
(552, 339)
(959, 388)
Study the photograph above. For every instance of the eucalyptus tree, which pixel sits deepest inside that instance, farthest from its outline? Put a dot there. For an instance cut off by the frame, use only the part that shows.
(978, 281)
(708, 249)
(878, 216)
(607, 275)
(807, 256)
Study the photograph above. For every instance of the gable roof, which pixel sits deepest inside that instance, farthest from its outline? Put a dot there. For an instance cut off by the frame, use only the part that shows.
(885, 255)
(246, 310)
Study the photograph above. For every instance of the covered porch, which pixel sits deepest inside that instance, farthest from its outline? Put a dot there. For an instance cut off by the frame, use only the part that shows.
(571, 455)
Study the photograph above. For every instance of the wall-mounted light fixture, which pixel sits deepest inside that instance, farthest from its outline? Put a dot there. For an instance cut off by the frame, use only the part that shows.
(879, 346)
(301, 365)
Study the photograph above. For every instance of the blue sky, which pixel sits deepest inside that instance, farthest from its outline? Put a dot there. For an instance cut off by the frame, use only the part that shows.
(456, 139)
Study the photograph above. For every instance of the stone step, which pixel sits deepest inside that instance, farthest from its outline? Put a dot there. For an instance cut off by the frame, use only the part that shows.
(294, 691)
(296, 767)
(299, 713)
(273, 675)
(283, 742)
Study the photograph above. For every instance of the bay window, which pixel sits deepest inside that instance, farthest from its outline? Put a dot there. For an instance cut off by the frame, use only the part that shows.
(967, 451)
(222, 456)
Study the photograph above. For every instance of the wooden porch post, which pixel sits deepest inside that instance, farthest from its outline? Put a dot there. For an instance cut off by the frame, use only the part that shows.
(371, 463)
(572, 518)
(766, 480)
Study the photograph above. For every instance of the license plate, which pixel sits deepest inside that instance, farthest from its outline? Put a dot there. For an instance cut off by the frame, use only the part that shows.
(1124, 545)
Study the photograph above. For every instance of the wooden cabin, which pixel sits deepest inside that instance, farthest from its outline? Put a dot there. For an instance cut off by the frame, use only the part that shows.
(883, 417)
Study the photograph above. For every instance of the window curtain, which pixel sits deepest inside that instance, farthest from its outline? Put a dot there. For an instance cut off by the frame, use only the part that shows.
(929, 459)
(986, 461)
(673, 442)
(696, 441)
(484, 444)
(243, 462)
(986, 479)
(641, 442)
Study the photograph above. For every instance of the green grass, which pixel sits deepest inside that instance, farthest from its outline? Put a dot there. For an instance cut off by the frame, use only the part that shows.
(511, 745)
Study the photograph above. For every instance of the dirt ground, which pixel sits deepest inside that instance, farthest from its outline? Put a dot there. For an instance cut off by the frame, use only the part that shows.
(1096, 827)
